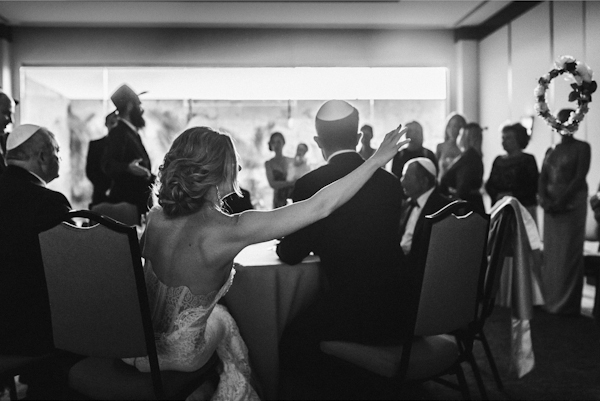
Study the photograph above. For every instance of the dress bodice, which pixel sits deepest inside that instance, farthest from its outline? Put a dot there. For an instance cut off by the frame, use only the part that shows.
(179, 319)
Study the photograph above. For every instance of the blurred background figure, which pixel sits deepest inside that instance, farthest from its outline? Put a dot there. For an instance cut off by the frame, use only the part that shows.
(448, 151)
(367, 136)
(413, 150)
(515, 173)
(93, 166)
(563, 195)
(277, 171)
(299, 166)
(6, 111)
(125, 159)
(464, 178)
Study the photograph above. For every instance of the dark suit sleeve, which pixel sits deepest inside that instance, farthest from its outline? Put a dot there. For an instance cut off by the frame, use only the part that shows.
(113, 160)
(296, 246)
(93, 163)
(52, 211)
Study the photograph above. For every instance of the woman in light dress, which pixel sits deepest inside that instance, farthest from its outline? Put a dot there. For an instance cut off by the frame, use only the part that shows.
(299, 165)
(448, 151)
(189, 245)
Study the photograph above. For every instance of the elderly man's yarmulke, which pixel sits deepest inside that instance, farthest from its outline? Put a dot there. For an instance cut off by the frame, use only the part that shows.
(423, 161)
(336, 117)
(123, 95)
(20, 135)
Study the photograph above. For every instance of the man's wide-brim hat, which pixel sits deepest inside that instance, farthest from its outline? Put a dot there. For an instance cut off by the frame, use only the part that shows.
(124, 95)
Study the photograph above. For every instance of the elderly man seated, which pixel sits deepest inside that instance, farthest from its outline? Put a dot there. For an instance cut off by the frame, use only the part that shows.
(424, 198)
(27, 207)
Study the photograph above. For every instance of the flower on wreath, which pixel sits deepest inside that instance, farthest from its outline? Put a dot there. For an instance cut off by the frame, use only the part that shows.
(583, 88)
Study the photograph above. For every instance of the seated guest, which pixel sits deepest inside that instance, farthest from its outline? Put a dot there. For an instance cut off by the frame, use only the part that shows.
(515, 173)
(424, 198)
(464, 178)
(189, 245)
(414, 149)
(359, 247)
(27, 207)
(235, 203)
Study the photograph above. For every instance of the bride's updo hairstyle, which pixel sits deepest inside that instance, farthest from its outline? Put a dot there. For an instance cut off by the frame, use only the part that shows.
(199, 159)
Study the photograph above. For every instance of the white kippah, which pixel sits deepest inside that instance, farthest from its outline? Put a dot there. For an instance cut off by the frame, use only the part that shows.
(20, 135)
(334, 110)
(423, 161)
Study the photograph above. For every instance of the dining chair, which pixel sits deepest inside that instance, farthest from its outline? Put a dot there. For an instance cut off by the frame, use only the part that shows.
(123, 212)
(443, 300)
(99, 308)
(501, 231)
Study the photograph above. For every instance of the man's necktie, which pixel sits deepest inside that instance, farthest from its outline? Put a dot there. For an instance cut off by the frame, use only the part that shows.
(408, 208)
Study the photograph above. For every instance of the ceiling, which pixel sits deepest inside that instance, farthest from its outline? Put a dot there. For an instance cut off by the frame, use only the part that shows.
(375, 14)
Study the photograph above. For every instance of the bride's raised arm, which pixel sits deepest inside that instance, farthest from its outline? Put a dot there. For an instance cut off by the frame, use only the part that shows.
(258, 226)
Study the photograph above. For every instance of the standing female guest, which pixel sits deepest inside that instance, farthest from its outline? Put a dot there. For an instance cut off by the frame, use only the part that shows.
(563, 196)
(189, 245)
(448, 151)
(516, 173)
(464, 178)
(277, 170)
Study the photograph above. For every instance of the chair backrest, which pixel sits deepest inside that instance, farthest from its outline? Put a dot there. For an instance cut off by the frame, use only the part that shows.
(499, 245)
(452, 270)
(98, 299)
(122, 212)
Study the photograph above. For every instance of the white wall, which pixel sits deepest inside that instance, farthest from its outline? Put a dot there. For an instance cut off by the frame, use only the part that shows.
(514, 57)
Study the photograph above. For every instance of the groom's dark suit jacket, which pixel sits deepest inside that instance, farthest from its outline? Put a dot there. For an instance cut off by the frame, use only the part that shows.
(26, 208)
(435, 202)
(360, 253)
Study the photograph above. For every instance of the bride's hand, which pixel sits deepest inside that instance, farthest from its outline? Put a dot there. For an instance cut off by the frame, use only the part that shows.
(390, 146)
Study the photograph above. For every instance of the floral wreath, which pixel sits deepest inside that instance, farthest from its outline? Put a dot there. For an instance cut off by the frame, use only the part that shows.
(582, 92)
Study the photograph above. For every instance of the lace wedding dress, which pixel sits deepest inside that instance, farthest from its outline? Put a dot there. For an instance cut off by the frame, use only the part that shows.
(187, 328)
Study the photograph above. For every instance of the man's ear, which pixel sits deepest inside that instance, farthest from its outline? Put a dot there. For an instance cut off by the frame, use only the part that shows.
(318, 141)
(358, 136)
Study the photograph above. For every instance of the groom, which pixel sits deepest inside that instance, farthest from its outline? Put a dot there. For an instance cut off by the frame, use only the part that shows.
(359, 247)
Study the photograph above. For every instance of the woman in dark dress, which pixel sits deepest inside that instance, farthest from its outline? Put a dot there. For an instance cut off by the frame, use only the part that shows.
(563, 193)
(277, 171)
(516, 173)
(464, 178)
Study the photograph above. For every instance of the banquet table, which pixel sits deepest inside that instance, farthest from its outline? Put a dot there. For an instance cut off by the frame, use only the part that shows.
(265, 296)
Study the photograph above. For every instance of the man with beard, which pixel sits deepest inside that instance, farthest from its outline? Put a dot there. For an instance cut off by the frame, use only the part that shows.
(125, 160)
(6, 110)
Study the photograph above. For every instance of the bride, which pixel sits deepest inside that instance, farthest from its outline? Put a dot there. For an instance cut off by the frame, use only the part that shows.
(189, 245)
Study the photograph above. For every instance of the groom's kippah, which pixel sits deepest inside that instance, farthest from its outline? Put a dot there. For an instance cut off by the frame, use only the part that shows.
(336, 118)
(20, 135)
(423, 161)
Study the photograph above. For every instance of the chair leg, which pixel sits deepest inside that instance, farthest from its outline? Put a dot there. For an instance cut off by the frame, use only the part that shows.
(490, 357)
(477, 373)
(462, 382)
